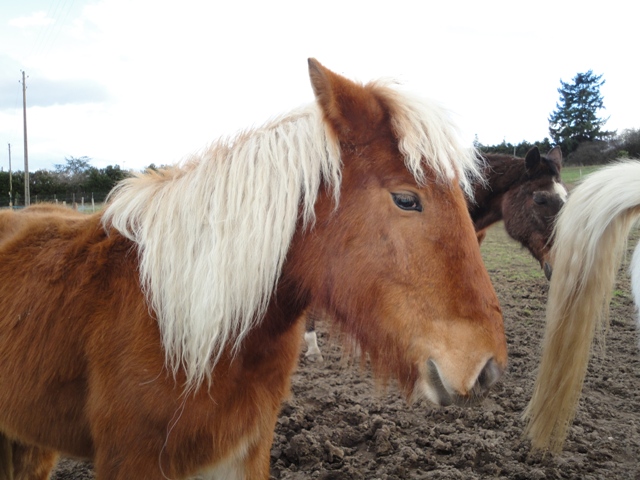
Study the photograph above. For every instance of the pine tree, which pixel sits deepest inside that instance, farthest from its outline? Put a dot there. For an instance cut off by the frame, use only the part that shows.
(575, 119)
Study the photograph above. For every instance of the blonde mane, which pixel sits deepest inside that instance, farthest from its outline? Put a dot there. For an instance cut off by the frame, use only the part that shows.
(213, 233)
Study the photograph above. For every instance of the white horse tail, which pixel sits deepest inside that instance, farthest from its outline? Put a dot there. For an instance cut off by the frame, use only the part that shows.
(590, 239)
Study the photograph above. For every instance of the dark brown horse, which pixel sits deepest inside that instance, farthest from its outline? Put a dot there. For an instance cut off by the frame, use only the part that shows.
(158, 338)
(527, 193)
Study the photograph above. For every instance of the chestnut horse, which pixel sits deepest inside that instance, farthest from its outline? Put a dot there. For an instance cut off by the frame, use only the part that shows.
(590, 239)
(527, 193)
(158, 338)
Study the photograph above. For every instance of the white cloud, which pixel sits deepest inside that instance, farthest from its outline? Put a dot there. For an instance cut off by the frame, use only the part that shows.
(37, 19)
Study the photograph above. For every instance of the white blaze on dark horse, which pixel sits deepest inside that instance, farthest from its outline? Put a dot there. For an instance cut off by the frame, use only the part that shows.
(526, 193)
(590, 240)
(158, 338)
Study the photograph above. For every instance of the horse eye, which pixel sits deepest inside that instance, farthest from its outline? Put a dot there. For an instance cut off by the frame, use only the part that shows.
(539, 198)
(407, 201)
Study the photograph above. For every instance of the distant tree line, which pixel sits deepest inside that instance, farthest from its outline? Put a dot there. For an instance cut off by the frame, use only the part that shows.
(70, 182)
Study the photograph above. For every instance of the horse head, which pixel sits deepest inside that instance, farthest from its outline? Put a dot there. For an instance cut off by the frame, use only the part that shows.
(530, 209)
(393, 257)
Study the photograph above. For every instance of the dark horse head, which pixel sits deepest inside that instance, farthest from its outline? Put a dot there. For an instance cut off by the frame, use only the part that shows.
(530, 209)
(527, 194)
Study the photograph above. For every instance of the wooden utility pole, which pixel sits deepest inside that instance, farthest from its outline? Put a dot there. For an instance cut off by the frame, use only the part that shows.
(10, 181)
(27, 193)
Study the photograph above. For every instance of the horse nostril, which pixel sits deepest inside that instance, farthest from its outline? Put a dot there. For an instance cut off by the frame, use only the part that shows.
(442, 396)
(489, 375)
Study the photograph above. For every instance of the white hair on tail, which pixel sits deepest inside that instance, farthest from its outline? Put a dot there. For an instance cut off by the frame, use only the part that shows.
(590, 239)
(213, 233)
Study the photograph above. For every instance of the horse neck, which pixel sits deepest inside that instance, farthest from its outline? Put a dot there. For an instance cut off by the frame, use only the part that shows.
(502, 173)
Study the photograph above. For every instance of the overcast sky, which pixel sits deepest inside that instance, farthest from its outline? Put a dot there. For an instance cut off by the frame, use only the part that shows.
(134, 82)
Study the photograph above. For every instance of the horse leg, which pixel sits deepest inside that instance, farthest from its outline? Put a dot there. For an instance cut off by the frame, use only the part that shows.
(116, 464)
(6, 458)
(32, 463)
(254, 464)
(259, 459)
(24, 462)
(313, 351)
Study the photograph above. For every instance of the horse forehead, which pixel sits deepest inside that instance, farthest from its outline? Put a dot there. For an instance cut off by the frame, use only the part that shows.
(379, 164)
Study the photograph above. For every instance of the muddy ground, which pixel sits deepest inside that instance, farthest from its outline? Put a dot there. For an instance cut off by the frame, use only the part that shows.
(336, 425)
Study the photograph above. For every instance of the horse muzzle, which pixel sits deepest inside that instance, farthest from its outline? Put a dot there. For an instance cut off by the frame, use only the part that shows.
(439, 392)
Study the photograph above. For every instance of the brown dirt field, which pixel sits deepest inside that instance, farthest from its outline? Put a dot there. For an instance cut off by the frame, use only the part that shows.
(337, 425)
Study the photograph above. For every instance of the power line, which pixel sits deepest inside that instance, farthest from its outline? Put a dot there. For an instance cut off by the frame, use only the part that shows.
(62, 18)
(44, 30)
(48, 34)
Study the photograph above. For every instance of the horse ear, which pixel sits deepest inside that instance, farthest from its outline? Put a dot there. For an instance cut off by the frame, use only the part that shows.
(350, 108)
(532, 159)
(555, 155)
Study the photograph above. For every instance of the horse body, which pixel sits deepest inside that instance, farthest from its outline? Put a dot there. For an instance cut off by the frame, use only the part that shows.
(77, 403)
(158, 338)
(590, 239)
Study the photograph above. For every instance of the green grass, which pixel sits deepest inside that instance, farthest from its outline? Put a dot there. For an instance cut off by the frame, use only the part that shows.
(505, 257)
(572, 175)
